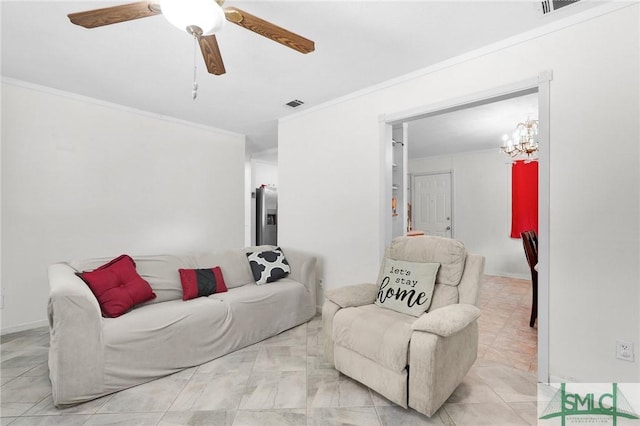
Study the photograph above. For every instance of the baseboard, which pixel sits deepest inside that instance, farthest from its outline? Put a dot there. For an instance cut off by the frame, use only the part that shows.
(560, 379)
(509, 275)
(23, 327)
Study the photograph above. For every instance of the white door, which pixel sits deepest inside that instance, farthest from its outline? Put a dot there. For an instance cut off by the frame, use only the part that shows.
(432, 204)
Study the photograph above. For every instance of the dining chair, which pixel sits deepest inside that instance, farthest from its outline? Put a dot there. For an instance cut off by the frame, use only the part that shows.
(530, 243)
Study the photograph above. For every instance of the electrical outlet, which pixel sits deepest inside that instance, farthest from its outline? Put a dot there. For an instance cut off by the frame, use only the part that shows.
(321, 282)
(624, 350)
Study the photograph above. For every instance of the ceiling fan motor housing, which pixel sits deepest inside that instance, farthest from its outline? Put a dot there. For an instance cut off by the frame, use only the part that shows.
(201, 17)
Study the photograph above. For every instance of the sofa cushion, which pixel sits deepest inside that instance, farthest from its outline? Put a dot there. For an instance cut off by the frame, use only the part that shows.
(163, 338)
(406, 287)
(381, 335)
(201, 282)
(450, 254)
(117, 286)
(261, 311)
(268, 266)
(160, 271)
(233, 264)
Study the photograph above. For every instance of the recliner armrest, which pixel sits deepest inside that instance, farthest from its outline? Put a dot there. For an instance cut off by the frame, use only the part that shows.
(353, 295)
(447, 320)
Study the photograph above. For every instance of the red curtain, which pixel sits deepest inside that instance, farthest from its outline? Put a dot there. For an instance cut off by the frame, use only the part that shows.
(524, 197)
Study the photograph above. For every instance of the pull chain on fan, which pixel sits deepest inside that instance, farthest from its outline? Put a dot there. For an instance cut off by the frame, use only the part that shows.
(194, 92)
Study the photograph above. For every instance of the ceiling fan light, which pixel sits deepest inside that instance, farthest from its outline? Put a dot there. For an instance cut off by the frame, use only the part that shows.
(204, 14)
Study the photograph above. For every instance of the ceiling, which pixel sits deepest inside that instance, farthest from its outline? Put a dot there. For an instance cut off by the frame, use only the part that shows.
(469, 129)
(147, 64)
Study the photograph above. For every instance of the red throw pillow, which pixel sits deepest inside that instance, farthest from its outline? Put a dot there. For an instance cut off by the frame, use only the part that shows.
(201, 282)
(117, 286)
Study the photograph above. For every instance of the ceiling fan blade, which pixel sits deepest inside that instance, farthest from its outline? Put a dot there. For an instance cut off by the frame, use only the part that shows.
(211, 54)
(113, 15)
(269, 30)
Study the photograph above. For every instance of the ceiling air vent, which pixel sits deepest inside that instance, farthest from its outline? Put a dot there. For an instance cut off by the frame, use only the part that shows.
(549, 6)
(294, 103)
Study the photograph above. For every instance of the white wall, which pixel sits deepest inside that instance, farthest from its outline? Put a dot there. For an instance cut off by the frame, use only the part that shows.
(482, 207)
(264, 173)
(331, 186)
(329, 177)
(86, 179)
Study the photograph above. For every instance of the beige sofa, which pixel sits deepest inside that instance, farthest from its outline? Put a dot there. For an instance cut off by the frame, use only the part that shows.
(413, 361)
(91, 356)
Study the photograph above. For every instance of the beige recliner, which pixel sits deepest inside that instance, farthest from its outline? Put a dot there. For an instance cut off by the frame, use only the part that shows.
(413, 361)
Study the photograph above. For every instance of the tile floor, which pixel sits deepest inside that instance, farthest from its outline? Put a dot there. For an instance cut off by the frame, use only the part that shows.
(285, 381)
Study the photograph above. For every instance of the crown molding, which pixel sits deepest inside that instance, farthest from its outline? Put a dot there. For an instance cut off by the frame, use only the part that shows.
(550, 28)
(114, 106)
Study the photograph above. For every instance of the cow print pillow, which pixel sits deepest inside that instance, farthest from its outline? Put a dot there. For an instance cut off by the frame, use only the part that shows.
(268, 266)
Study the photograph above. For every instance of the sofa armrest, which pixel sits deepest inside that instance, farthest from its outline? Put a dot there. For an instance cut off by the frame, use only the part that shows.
(329, 310)
(338, 298)
(447, 320)
(353, 295)
(437, 365)
(76, 343)
(469, 287)
(303, 267)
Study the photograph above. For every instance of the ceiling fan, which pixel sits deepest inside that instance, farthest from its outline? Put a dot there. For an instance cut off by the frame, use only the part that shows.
(200, 18)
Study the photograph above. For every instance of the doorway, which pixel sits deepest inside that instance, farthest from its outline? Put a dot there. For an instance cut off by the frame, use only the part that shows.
(540, 85)
(431, 207)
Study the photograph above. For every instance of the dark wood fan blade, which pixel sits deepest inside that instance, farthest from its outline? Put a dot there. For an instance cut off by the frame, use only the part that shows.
(113, 15)
(211, 54)
(269, 30)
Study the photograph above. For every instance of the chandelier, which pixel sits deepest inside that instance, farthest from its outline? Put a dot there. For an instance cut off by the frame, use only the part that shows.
(524, 141)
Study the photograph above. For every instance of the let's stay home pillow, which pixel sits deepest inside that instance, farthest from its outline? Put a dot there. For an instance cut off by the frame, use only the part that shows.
(406, 287)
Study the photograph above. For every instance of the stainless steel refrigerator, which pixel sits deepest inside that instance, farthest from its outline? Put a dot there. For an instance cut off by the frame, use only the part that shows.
(266, 216)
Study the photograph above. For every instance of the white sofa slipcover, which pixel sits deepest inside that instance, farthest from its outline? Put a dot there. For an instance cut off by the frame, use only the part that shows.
(91, 356)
